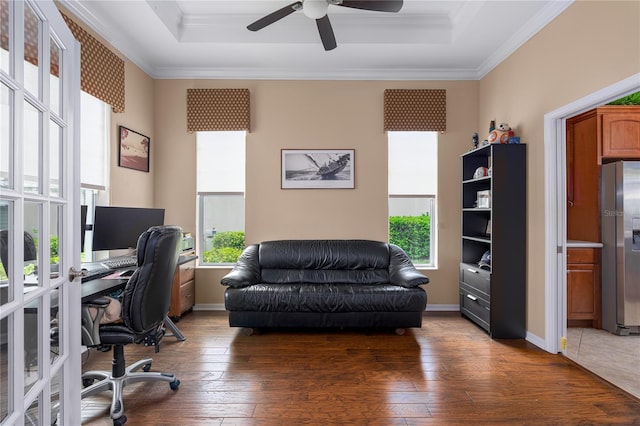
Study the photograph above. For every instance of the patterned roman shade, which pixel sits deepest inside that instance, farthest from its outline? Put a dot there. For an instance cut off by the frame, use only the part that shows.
(101, 70)
(415, 110)
(218, 110)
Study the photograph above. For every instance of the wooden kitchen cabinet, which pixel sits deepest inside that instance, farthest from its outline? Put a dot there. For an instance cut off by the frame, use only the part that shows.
(619, 132)
(183, 289)
(584, 288)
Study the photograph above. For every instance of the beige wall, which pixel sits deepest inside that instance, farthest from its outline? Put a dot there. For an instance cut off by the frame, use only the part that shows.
(128, 187)
(314, 114)
(593, 44)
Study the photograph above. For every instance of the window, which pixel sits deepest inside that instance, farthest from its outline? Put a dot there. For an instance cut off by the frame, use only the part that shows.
(220, 186)
(413, 184)
(94, 154)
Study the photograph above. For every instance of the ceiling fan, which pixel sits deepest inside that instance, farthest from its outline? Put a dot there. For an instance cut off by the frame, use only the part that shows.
(317, 9)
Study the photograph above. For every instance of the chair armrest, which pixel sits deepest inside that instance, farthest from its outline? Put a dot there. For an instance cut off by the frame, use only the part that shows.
(91, 326)
(247, 269)
(402, 272)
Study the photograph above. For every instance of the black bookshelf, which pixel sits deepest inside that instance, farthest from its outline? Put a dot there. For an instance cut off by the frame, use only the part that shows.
(495, 299)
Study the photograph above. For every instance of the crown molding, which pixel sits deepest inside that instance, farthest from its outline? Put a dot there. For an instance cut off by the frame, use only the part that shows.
(289, 74)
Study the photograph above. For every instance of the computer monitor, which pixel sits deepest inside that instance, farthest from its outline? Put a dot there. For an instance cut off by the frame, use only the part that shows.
(118, 228)
(83, 226)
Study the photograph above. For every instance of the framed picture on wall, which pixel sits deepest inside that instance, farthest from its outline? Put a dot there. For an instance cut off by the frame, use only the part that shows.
(133, 151)
(317, 168)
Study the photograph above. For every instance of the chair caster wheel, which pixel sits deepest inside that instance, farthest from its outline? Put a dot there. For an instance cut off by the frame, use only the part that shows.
(175, 384)
(120, 421)
(146, 367)
(87, 382)
(400, 331)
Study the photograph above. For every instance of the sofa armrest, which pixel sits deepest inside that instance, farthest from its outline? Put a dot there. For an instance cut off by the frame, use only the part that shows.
(247, 269)
(401, 269)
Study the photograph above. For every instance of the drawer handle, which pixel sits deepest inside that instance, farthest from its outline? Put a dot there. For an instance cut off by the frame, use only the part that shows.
(472, 297)
(473, 270)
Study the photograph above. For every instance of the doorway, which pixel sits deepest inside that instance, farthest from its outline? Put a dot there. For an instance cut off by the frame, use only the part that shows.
(555, 212)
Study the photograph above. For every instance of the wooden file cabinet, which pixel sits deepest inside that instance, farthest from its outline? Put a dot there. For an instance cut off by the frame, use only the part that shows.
(183, 290)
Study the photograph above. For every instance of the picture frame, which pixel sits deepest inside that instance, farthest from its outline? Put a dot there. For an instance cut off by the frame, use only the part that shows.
(318, 169)
(134, 150)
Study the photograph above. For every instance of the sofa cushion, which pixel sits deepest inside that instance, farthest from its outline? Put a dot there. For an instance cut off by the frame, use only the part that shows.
(338, 297)
(324, 261)
(324, 254)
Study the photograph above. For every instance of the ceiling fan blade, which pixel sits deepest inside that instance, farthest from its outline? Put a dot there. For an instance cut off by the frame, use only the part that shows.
(326, 33)
(275, 16)
(375, 5)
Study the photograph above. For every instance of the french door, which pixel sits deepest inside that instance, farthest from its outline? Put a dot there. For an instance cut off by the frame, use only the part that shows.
(39, 216)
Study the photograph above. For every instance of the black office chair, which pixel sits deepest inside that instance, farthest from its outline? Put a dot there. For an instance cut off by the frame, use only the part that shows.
(30, 250)
(145, 304)
(30, 254)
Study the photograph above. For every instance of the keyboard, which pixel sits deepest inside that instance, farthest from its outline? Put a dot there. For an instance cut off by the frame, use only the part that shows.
(96, 273)
(120, 262)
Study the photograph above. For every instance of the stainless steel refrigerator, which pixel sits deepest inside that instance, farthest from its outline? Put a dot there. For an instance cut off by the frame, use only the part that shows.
(620, 204)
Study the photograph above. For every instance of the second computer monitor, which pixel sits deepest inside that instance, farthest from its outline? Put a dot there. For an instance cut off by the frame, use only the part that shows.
(117, 228)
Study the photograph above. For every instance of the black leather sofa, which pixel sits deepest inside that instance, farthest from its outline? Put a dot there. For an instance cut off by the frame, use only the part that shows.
(324, 283)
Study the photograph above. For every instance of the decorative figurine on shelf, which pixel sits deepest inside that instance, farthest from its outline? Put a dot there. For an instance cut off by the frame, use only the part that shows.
(501, 134)
(492, 125)
(480, 172)
(475, 140)
(485, 261)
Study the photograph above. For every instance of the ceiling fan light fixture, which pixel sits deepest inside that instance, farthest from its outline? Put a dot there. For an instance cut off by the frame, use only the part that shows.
(315, 9)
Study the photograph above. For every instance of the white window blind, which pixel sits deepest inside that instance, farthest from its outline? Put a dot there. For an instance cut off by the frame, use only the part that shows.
(409, 173)
(220, 162)
(94, 142)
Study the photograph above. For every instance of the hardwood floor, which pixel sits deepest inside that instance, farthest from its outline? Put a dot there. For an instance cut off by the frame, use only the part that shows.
(448, 372)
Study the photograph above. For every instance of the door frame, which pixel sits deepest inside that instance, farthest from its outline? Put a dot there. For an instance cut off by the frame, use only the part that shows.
(555, 211)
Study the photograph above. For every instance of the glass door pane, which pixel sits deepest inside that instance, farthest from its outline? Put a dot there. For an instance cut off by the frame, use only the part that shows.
(55, 243)
(6, 251)
(55, 158)
(6, 355)
(32, 149)
(32, 26)
(5, 39)
(6, 151)
(54, 81)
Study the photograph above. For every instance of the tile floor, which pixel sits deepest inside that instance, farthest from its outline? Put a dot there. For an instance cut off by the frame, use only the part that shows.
(612, 357)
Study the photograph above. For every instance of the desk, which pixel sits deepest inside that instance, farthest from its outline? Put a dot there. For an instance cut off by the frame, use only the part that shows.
(101, 287)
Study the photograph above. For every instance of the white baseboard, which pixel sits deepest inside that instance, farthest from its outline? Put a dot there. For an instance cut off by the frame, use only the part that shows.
(443, 308)
(536, 340)
(209, 307)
